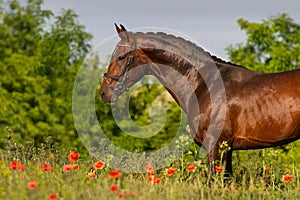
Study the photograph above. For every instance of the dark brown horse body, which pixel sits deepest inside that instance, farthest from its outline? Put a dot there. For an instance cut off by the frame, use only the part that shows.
(261, 110)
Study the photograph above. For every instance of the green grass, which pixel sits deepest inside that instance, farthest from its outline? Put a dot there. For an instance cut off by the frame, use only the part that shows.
(250, 181)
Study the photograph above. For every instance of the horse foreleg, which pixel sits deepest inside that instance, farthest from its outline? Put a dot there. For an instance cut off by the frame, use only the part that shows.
(214, 157)
(228, 159)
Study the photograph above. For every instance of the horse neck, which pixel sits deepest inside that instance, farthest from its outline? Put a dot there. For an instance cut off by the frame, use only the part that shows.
(178, 72)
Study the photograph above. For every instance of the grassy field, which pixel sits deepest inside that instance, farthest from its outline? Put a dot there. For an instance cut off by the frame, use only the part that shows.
(27, 172)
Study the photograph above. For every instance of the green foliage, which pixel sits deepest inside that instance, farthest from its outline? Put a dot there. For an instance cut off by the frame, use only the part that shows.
(272, 45)
(39, 57)
(39, 60)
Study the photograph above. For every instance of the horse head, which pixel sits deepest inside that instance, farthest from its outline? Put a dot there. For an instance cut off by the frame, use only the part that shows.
(120, 75)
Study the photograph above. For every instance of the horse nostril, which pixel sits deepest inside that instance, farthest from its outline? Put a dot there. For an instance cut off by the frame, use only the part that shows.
(102, 93)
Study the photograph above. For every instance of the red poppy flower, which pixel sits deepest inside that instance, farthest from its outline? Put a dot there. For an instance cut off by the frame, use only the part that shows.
(53, 196)
(99, 165)
(114, 174)
(156, 180)
(171, 171)
(13, 166)
(91, 174)
(153, 179)
(287, 178)
(32, 185)
(191, 168)
(21, 167)
(219, 169)
(267, 170)
(73, 156)
(47, 168)
(16, 166)
(114, 188)
(121, 195)
(68, 168)
(75, 166)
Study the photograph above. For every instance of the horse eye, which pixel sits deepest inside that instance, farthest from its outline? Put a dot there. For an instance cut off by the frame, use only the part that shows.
(121, 57)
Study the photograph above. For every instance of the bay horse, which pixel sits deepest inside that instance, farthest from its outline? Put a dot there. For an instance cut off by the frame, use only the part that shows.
(260, 110)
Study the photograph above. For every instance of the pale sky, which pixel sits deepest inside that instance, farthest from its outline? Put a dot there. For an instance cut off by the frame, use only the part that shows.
(211, 23)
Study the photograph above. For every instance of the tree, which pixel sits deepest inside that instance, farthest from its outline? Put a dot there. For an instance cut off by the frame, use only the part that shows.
(39, 57)
(272, 45)
(39, 60)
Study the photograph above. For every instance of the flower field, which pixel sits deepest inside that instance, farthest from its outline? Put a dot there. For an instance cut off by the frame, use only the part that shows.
(27, 172)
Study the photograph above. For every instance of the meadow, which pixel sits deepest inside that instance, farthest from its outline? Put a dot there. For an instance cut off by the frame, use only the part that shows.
(48, 172)
(43, 157)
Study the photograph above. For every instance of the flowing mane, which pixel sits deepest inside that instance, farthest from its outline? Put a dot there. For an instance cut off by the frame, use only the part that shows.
(181, 46)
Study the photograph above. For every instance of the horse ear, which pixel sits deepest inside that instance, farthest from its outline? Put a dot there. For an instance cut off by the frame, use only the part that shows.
(122, 32)
(119, 30)
(123, 28)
